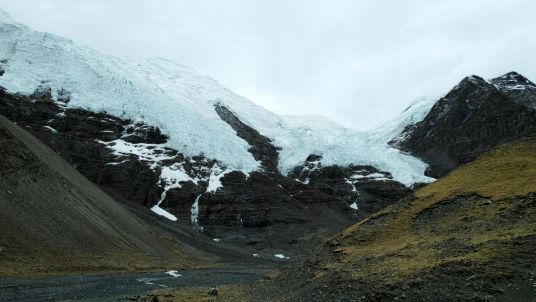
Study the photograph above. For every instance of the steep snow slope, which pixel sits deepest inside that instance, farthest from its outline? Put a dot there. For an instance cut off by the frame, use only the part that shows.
(181, 102)
(338, 145)
(173, 97)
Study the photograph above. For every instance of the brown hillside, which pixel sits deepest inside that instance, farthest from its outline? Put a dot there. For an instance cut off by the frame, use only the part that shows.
(54, 220)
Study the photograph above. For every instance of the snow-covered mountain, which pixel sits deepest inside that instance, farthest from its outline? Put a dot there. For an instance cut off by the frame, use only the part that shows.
(181, 102)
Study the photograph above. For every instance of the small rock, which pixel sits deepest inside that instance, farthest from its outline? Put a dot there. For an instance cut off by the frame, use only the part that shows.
(486, 202)
(213, 291)
(471, 277)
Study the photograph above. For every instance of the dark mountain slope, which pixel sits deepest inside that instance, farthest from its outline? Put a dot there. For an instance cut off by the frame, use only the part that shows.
(471, 119)
(470, 236)
(248, 211)
(52, 219)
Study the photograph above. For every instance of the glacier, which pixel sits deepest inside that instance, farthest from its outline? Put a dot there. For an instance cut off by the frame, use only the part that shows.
(180, 101)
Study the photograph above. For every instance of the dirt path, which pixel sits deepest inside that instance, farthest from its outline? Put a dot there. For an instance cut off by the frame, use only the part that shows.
(115, 287)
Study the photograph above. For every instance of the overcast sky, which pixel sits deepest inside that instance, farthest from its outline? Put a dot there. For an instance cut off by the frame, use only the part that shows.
(356, 62)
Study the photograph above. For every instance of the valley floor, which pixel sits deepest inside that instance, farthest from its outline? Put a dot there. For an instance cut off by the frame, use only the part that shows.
(120, 286)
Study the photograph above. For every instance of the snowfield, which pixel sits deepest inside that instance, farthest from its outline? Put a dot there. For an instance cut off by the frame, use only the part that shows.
(180, 101)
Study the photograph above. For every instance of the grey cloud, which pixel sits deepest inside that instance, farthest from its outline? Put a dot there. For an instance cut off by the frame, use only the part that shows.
(356, 62)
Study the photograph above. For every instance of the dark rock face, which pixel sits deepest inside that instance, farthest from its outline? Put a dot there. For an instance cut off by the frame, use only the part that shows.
(74, 134)
(261, 146)
(262, 210)
(471, 119)
(2, 71)
(518, 88)
(365, 188)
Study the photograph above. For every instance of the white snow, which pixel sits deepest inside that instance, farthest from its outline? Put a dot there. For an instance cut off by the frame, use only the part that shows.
(144, 280)
(174, 274)
(158, 210)
(512, 82)
(51, 129)
(281, 256)
(180, 101)
(216, 239)
(256, 255)
(354, 206)
(195, 211)
(214, 182)
(352, 184)
(172, 176)
(148, 152)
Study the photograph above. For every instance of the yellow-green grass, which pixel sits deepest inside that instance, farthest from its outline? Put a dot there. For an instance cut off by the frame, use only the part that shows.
(399, 241)
(226, 293)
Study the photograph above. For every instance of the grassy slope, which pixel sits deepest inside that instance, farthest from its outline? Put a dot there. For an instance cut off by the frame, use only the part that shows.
(406, 238)
(469, 236)
(53, 220)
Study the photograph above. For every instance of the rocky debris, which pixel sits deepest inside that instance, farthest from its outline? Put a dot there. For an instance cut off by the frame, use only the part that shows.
(213, 291)
(140, 133)
(471, 119)
(261, 146)
(486, 202)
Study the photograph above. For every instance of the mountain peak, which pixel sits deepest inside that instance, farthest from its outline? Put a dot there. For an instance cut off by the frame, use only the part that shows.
(513, 81)
(470, 85)
(474, 79)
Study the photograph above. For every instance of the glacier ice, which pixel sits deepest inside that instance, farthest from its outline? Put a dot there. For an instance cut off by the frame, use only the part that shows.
(180, 101)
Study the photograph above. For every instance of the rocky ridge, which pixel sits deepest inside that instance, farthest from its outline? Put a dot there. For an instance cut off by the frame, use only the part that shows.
(472, 118)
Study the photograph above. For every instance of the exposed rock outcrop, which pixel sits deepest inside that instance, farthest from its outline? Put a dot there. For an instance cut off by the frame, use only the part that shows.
(471, 119)
(364, 188)
(261, 146)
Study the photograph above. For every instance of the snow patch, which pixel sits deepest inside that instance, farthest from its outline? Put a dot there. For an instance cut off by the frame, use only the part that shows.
(281, 256)
(194, 211)
(158, 210)
(352, 184)
(214, 182)
(147, 152)
(51, 129)
(174, 274)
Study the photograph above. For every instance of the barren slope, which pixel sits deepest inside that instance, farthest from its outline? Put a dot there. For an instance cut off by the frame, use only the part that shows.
(52, 219)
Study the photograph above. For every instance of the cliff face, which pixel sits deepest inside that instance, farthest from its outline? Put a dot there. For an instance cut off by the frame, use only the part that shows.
(471, 119)
(132, 163)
